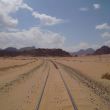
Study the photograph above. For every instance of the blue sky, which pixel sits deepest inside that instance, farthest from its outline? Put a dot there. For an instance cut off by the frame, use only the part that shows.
(67, 24)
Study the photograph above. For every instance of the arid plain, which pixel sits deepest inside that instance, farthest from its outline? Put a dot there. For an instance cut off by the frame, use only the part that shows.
(55, 83)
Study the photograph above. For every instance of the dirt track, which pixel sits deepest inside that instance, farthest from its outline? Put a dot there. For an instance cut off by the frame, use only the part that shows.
(47, 85)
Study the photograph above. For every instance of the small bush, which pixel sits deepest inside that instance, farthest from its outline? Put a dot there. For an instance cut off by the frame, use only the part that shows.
(106, 76)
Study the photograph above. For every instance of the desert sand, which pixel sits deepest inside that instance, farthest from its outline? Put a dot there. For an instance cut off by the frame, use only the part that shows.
(67, 83)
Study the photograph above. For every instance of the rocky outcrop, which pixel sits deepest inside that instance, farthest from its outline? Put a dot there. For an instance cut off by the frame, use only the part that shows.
(31, 51)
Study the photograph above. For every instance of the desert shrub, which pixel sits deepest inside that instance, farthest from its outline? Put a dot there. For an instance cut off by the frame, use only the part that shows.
(106, 76)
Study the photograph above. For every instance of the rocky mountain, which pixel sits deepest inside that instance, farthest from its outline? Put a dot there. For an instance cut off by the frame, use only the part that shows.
(32, 51)
(45, 52)
(27, 48)
(84, 52)
(11, 49)
(102, 50)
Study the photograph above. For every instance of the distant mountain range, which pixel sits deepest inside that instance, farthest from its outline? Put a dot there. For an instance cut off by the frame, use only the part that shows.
(27, 49)
(102, 50)
(32, 51)
(10, 49)
(90, 51)
(81, 52)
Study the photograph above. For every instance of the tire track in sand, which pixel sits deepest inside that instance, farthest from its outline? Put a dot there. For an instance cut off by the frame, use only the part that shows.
(42, 91)
(55, 95)
(14, 66)
(67, 88)
(19, 78)
(95, 86)
(23, 95)
(78, 87)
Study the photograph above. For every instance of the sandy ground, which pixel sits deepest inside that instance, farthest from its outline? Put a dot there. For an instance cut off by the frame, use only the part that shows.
(55, 96)
(8, 62)
(93, 67)
(83, 96)
(54, 83)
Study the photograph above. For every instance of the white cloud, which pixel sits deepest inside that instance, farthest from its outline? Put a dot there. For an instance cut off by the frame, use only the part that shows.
(7, 21)
(106, 35)
(12, 6)
(32, 37)
(83, 9)
(107, 43)
(106, 28)
(96, 6)
(7, 8)
(25, 6)
(46, 19)
(103, 26)
(82, 45)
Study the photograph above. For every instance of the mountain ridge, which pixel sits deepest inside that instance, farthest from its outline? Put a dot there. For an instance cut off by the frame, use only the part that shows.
(84, 52)
(32, 51)
(102, 50)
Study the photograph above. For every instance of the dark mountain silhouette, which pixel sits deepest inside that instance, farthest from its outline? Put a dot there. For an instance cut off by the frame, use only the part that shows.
(102, 50)
(32, 51)
(27, 48)
(45, 52)
(84, 52)
(11, 49)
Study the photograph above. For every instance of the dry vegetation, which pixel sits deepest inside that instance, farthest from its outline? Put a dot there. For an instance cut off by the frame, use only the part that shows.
(67, 83)
(106, 76)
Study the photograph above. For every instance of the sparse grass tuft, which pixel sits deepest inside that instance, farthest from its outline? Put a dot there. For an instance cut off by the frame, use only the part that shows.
(106, 76)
